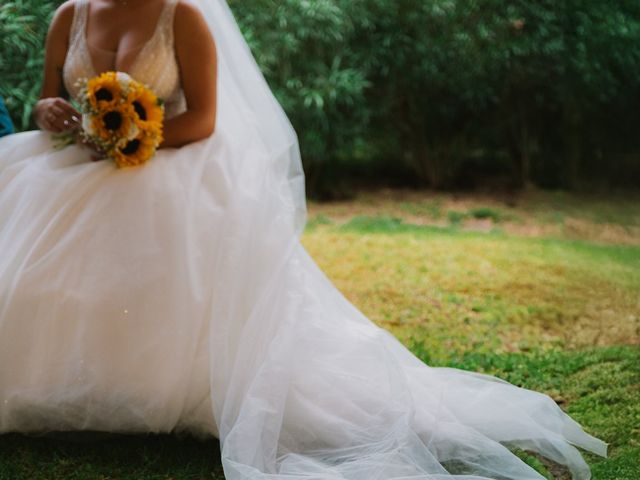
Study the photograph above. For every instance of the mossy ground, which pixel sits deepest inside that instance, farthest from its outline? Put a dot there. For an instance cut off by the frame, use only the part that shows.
(542, 290)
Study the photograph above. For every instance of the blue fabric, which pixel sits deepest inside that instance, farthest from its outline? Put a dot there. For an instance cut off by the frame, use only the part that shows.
(6, 126)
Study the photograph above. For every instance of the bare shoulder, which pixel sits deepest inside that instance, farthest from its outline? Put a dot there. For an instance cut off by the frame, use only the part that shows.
(189, 19)
(62, 20)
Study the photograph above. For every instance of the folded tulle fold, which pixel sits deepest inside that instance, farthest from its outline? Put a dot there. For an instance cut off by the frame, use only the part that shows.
(359, 405)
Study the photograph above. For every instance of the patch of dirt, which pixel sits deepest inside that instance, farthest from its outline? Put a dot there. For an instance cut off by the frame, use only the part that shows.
(598, 219)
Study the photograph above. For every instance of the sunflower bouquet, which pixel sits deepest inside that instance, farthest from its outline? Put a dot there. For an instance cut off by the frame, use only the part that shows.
(122, 117)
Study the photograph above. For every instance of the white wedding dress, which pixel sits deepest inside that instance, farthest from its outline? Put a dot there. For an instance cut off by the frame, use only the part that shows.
(176, 296)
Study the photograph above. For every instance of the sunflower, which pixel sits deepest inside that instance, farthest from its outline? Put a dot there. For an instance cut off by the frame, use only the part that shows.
(115, 122)
(134, 152)
(148, 108)
(104, 90)
(122, 116)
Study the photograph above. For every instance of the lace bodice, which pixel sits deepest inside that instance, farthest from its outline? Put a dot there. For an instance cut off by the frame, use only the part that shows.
(155, 64)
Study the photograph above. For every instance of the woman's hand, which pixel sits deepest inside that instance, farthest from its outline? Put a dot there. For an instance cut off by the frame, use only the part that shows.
(56, 115)
(52, 112)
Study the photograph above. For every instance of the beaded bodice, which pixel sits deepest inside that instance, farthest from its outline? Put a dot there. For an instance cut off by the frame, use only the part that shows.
(155, 64)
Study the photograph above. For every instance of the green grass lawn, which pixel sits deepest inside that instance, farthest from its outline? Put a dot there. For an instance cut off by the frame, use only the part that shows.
(507, 290)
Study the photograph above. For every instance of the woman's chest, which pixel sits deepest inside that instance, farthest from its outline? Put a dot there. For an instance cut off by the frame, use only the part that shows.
(155, 66)
(152, 62)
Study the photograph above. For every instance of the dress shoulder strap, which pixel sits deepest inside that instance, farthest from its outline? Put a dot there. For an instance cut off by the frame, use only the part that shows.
(78, 25)
(166, 20)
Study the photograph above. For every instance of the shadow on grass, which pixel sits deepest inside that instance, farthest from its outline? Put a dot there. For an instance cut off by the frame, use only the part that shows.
(102, 456)
(598, 387)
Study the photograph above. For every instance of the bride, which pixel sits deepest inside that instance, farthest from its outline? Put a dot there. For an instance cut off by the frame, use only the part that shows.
(176, 296)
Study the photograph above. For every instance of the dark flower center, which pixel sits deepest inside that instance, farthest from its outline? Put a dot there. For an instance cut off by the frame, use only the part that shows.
(137, 106)
(104, 94)
(112, 120)
(131, 147)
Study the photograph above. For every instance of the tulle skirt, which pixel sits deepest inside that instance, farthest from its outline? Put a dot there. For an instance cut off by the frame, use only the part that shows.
(176, 297)
(103, 290)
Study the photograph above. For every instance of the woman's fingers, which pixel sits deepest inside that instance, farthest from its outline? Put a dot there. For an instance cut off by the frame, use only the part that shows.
(67, 108)
(58, 115)
(53, 124)
(63, 117)
(58, 122)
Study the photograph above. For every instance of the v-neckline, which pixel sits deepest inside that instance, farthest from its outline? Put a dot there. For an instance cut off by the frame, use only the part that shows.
(140, 51)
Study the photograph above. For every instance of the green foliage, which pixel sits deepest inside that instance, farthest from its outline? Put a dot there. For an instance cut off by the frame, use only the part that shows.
(306, 51)
(533, 80)
(23, 27)
(441, 93)
(540, 91)
(487, 212)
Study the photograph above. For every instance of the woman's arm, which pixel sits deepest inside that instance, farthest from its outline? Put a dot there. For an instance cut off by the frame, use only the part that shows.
(197, 59)
(51, 111)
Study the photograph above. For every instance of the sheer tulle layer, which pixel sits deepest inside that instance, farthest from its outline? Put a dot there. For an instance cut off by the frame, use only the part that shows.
(177, 297)
(103, 298)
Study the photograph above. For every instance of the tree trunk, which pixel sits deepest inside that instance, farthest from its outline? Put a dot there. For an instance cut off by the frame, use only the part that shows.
(520, 148)
(572, 138)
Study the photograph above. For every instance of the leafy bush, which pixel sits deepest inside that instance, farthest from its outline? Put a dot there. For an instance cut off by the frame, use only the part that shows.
(532, 79)
(23, 27)
(487, 212)
(307, 52)
(452, 91)
(438, 86)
